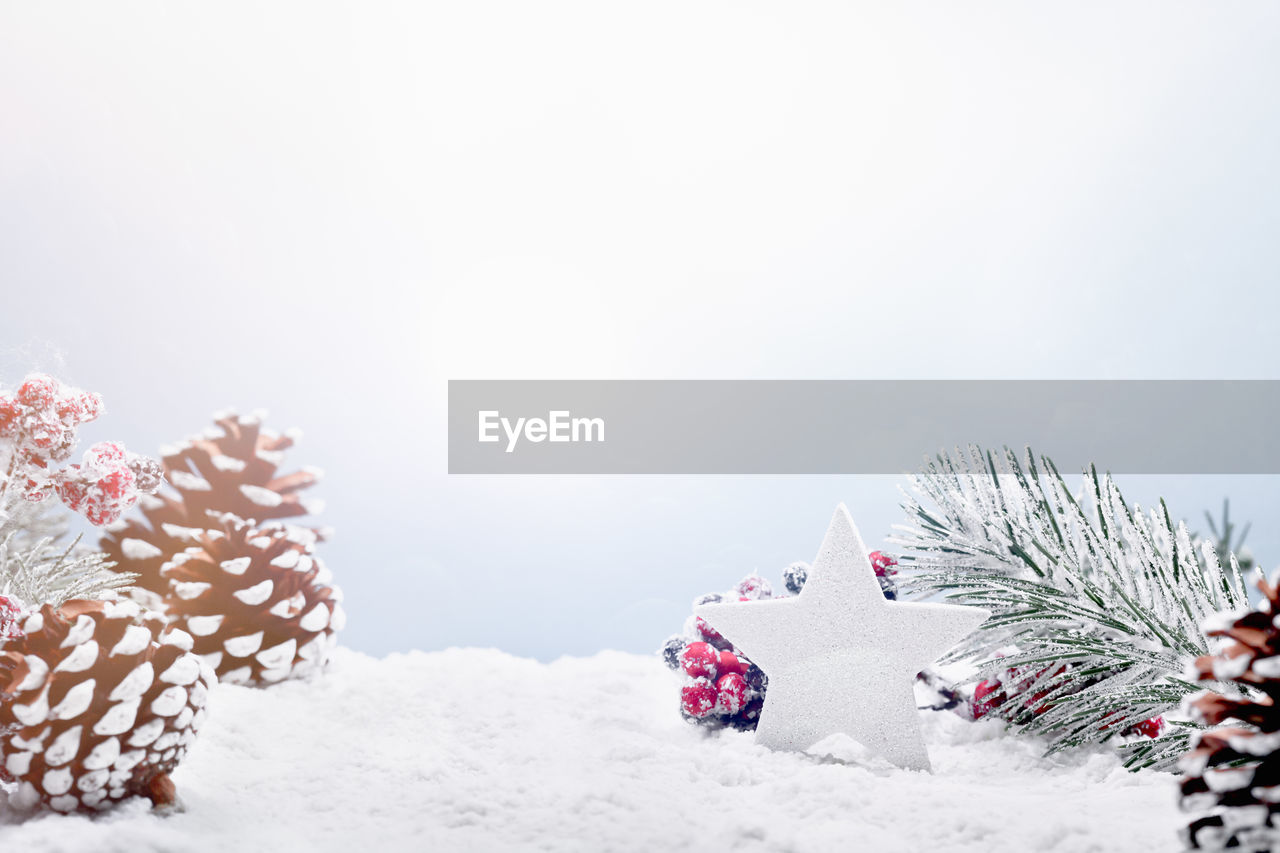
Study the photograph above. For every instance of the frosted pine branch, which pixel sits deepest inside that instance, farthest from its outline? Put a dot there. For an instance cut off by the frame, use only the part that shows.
(48, 573)
(1097, 605)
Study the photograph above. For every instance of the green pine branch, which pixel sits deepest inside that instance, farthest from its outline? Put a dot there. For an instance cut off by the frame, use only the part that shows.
(1097, 605)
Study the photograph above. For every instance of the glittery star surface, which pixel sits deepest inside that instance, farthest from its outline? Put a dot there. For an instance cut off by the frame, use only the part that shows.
(841, 659)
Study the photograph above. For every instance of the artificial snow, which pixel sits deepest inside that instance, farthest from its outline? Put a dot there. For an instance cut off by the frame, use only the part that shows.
(476, 750)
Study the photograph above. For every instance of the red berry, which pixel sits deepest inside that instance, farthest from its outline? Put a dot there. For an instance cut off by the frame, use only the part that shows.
(699, 698)
(987, 696)
(753, 587)
(883, 564)
(38, 391)
(711, 635)
(44, 430)
(10, 619)
(727, 662)
(731, 693)
(1150, 728)
(10, 416)
(103, 487)
(699, 659)
(79, 408)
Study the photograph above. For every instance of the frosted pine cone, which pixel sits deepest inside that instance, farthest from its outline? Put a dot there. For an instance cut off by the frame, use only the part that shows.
(1233, 774)
(98, 702)
(257, 600)
(233, 467)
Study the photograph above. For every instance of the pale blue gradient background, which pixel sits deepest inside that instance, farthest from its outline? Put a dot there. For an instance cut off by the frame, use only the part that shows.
(330, 210)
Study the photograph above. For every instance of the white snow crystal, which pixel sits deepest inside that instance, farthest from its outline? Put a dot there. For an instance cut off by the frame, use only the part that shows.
(278, 656)
(240, 675)
(188, 482)
(33, 713)
(102, 755)
(75, 702)
(237, 566)
(179, 638)
(129, 760)
(135, 639)
(66, 803)
(183, 671)
(118, 719)
(139, 549)
(56, 781)
(18, 763)
(25, 797)
(82, 630)
(243, 646)
(147, 732)
(203, 626)
(317, 619)
(92, 780)
(261, 496)
(256, 594)
(64, 747)
(37, 671)
(81, 658)
(122, 609)
(287, 559)
(227, 463)
(182, 534)
(133, 685)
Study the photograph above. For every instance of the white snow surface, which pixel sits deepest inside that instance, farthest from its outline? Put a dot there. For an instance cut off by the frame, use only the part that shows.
(473, 749)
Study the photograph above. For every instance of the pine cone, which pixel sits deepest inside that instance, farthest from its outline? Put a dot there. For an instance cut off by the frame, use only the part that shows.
(231, 468)
(98, 703)
(1233, 773)
(256, 599)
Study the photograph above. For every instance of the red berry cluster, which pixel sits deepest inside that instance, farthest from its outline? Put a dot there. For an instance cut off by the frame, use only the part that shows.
(721, 686)
(107, 483)
(1020, 691)
(10, 619)
(38, 424)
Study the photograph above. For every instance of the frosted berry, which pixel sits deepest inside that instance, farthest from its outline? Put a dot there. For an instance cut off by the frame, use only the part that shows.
(698, 699)
(711, 635)
(147, 472)
(731, 693)
(10, 619)
(699, 659)
(883, 564)
(10, 416)
(987, 696)
(794, 576)
(749, 716)
(671, 650)
(45, 430)
(1150, 728)
(79, 408)
(38, 391)
(103, 487)
(37, 489)
(727, 662)
(754, 587)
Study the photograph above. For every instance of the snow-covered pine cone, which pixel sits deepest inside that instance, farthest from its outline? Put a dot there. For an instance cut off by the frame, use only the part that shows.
(99, 701)
(257, 600)
(232, 467)
(1232, 774)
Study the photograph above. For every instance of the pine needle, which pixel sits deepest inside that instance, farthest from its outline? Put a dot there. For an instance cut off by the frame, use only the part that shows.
(1102, 603)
